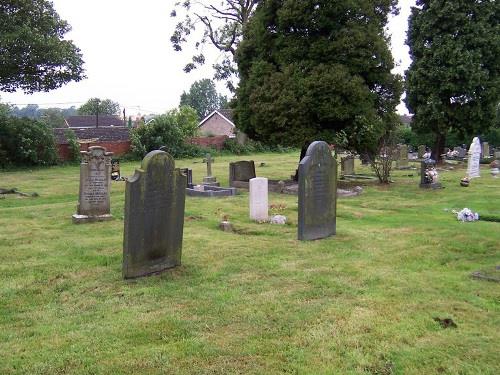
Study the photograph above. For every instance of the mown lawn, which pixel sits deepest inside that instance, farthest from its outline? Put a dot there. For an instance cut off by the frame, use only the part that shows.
(256, 301)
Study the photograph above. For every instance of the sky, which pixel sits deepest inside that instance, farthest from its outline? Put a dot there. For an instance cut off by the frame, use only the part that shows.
(129, 59)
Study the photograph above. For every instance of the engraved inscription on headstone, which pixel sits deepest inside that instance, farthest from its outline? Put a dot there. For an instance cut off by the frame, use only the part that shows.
(258, 199)
(95, 181)
(317, 193)
(154, 216)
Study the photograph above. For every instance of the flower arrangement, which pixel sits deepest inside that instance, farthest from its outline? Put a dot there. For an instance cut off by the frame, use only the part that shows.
(431, 176)
(466, 215)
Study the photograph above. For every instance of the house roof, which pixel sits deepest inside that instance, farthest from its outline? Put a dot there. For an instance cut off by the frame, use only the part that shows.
(104, 134)
(90, 121)
(226, 114)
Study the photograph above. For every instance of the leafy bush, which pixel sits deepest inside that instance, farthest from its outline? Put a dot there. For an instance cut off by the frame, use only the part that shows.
(170, 130)
(25, 141)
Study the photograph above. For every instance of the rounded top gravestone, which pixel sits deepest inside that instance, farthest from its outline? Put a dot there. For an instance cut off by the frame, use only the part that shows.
(317, 193)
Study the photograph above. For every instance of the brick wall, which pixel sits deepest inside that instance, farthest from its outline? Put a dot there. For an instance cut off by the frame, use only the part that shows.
(215, 142)
(117, 148)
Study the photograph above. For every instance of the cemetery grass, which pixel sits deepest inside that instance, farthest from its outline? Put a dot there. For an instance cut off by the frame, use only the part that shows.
(256, 301)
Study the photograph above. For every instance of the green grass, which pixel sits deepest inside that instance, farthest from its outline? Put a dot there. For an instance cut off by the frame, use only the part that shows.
(256, 301)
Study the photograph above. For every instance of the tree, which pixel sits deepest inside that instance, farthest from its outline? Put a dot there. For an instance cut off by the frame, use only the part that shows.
(53, 117)
(317, 70)
(222, 24)
(170, 130)
(203, 97)
(96, 106)
(24, 141)
(33, 54)
(453, 82)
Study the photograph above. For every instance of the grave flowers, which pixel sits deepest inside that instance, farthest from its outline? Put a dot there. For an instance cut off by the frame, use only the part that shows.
(466, 215)
(431, 175)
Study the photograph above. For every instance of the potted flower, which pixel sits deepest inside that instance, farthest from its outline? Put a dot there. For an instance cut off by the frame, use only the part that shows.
(464, 181)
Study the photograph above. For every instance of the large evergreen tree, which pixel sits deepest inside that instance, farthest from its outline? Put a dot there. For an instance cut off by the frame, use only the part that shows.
(317, 69)
(453, 82)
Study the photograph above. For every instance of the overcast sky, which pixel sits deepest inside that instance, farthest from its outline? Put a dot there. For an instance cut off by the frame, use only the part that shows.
(129, 59)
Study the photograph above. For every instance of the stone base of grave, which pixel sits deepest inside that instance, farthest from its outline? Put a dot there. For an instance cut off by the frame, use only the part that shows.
(210, 191)
(436, 185)
(210, 181)
(81, 219)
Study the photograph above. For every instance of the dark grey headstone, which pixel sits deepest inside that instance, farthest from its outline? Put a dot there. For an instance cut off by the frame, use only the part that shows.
(154, 216)
(241, 171)
(95, 181)
(425, 182)
(317, 193)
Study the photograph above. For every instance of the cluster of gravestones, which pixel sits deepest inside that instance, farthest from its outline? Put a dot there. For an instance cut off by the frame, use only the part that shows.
(155, 201)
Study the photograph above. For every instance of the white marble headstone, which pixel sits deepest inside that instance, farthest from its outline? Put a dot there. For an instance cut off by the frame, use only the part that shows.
(258, 199)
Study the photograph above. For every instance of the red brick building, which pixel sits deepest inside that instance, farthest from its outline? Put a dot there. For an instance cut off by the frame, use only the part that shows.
(218, 123)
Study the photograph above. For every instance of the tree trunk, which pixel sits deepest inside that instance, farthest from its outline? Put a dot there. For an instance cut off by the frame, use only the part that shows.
(438, 148)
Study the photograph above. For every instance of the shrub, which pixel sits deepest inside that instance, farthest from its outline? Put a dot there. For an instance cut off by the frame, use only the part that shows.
(170, 131)
(27, 142)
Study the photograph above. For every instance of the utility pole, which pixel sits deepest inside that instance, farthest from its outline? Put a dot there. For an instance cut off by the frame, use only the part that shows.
(97, 101)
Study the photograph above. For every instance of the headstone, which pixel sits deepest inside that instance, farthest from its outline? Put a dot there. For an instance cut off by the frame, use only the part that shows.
(497, 155)
(402, 161)
(209, 179)
(429, 177)
(317, 193)
(347, 165)
(154, 216)
(486, 150)
(474, 158)
(258, 199)
(241, 171)
(421, 151)
(95, 181)
(189, 174)
(461, 152)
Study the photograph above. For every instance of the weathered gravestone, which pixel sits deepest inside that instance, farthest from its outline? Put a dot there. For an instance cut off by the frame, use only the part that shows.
(485, 150)
(461, 152)
(154, 216)
(347, 165)
(317, 193)
(402, 161)
(95, 181)
(429, 178)
(421, 151)
(240, 173)
(258, 199)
